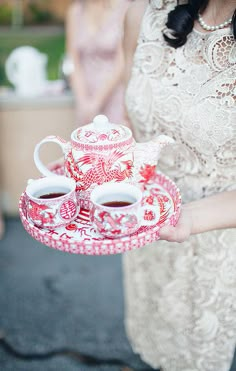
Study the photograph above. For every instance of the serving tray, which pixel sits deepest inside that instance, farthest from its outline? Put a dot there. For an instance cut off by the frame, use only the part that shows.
(80, 237)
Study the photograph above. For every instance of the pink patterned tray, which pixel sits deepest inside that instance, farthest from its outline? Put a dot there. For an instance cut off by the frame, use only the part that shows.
(81, 238)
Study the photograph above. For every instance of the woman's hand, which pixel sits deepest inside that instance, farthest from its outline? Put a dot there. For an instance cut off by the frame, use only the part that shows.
(210, 213)
(182, 230)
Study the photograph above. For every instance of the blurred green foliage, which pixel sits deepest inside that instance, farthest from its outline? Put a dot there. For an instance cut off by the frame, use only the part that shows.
(48, 42)
(5, 14)
(39, 15)
(36, 13)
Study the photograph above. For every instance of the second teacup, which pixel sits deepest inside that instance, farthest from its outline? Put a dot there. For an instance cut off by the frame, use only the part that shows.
(117, 210)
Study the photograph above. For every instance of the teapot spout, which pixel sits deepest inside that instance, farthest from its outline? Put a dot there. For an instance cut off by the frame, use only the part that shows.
(147, 156)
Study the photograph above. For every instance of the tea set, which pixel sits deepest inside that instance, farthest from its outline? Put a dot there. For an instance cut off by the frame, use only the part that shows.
(103, 152)
(105, 174)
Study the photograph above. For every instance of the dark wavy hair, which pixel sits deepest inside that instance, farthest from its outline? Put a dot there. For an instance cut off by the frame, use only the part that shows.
(181, 20)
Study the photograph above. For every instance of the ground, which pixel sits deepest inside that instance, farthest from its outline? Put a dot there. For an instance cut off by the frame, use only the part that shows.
(52, 300)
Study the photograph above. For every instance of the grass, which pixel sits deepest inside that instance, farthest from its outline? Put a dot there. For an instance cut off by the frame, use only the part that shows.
(47, 41)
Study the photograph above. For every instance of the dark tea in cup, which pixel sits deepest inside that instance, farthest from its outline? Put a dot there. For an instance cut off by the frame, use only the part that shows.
(117, 204)
(52, 195)
(52, 192)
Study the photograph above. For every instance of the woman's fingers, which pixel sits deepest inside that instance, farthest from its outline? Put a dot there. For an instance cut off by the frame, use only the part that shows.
(181, 231)
(174, 234)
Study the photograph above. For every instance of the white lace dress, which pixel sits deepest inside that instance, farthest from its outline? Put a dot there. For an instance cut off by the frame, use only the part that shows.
(181, 298)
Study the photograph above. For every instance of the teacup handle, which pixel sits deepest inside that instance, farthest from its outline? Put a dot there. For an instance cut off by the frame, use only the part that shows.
(49, 139)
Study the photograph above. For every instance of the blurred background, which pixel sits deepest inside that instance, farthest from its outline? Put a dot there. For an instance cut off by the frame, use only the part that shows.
(25, 119)
(57, 311)
(39, 23)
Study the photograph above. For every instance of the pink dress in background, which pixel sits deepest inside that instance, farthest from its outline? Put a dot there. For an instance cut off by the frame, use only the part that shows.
(97, 55)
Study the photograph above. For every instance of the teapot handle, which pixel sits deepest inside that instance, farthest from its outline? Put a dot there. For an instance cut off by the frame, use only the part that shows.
(49, 139)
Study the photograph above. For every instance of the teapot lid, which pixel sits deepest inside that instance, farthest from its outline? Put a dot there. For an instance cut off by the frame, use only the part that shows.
(102, 132)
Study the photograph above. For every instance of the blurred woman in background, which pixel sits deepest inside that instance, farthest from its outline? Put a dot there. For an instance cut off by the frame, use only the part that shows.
(94, 45)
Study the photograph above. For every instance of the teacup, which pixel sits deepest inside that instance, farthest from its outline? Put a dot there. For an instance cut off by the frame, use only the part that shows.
(118, 210)
(51, 202)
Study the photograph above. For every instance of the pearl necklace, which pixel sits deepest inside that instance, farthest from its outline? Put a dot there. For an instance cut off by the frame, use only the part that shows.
(213, 28)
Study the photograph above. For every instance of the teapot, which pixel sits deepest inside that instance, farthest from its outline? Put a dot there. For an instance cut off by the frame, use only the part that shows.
(103, 152)
(26, 70)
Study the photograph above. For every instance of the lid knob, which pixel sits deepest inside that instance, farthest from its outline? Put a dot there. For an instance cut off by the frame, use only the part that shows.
(100, 122)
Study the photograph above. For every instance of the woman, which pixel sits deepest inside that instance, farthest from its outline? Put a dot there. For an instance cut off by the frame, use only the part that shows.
(181, 298)
(94, 43)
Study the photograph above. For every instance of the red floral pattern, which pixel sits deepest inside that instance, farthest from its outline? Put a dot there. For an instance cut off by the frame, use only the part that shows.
(80, 237)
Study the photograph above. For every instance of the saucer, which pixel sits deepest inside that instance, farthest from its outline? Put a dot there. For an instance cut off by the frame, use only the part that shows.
(80, 237)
